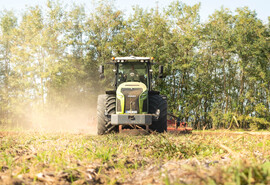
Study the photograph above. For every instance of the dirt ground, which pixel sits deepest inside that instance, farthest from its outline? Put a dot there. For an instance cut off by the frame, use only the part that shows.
(32, 157)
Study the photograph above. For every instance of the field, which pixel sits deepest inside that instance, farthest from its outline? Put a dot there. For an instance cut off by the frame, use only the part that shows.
(32, 157)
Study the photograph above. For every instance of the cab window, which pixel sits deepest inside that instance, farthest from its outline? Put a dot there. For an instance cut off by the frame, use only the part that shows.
(132, 72)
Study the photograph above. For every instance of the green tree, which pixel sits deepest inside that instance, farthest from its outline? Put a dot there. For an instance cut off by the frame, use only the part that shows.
(8, 23)
(251, 51)
(27, 86)
(217, 69)
(103, 29)
(181, 48)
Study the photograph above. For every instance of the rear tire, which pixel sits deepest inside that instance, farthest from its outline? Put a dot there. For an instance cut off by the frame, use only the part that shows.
(158, 102)
(105, 108)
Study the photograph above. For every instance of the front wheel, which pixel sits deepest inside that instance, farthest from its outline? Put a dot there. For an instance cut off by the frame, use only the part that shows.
(105, 108)
(158, 102)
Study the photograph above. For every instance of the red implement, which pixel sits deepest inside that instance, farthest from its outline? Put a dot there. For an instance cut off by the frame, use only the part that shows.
(174, 127)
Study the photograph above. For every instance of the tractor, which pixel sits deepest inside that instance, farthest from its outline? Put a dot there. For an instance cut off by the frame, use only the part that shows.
(132, 103)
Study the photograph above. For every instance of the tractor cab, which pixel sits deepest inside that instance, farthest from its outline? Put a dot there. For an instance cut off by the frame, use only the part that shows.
(133, 69)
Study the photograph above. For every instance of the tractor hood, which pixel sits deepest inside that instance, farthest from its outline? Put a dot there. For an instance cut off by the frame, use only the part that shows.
(131, 98)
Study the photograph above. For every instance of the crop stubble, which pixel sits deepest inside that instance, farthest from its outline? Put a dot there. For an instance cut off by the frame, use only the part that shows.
(32, 157)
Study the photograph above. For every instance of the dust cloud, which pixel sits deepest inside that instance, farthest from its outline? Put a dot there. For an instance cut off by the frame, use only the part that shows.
(77, 119)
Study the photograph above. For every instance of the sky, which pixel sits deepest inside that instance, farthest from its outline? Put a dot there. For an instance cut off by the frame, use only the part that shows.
(207, 6)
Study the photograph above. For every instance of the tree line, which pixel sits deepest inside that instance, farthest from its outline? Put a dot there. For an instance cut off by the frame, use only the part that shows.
(217, 71)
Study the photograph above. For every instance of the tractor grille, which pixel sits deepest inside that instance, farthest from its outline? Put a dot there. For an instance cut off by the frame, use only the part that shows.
(132, 96)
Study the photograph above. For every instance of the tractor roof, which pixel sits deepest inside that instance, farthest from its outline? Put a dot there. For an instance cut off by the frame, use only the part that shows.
(132, 58)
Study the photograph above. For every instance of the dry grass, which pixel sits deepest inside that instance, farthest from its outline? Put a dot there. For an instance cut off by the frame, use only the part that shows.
(28, 157)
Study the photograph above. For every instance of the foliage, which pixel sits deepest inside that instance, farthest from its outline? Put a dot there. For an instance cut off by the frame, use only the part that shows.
(215, 71)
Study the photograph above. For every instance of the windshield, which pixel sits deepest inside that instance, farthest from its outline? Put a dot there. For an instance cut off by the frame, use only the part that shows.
(132, 72)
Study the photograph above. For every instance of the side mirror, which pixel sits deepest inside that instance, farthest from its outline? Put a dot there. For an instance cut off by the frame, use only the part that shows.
(160, 75)
(101, 71)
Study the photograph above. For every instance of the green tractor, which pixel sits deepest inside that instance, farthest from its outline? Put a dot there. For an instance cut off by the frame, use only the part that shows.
(133, 103)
